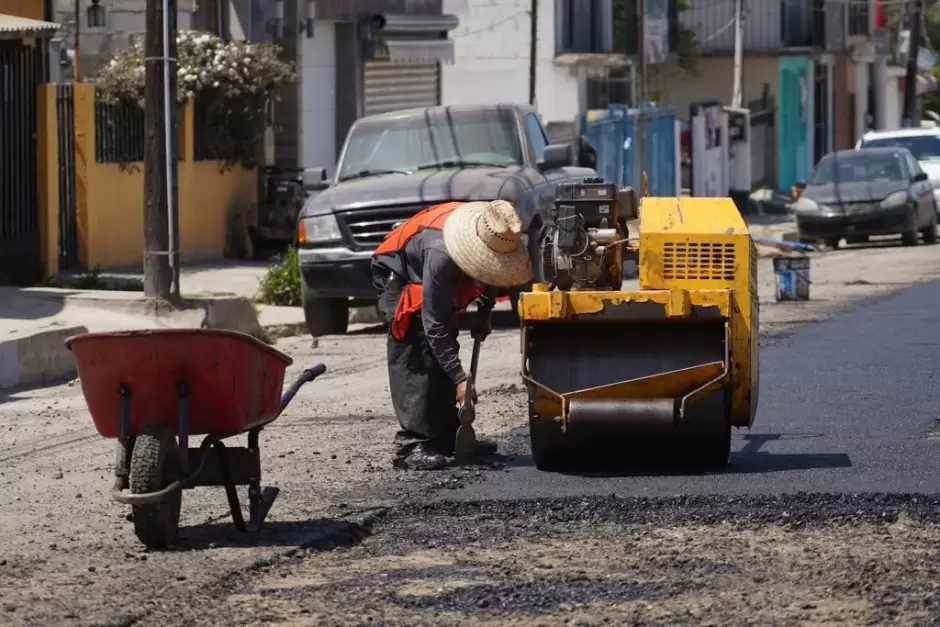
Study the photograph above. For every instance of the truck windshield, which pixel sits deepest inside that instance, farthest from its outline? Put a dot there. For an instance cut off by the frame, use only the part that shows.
(425, 141)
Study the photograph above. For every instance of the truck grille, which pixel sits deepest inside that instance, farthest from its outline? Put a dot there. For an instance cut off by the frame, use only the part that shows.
(368, 227)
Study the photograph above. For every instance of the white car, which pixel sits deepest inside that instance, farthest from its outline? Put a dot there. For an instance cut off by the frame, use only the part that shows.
(924, 144)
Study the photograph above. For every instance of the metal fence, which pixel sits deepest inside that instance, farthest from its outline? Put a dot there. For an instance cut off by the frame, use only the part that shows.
(615, 133)
(21, 72)
(68, 219)
(211, 142)
(119, 133)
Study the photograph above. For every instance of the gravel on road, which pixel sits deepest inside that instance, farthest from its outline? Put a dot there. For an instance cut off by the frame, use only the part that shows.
(800, 559)
(68, 554)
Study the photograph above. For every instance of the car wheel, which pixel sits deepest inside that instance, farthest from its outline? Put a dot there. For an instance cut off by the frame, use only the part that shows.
(930, 232)
(909, 238)
(833, 243)
(325, 316)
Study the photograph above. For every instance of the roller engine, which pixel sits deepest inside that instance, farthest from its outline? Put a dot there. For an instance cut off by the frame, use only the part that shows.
(670, 366)
(583, 244)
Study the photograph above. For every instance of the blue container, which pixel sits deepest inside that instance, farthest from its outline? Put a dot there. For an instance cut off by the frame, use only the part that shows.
(792, 274)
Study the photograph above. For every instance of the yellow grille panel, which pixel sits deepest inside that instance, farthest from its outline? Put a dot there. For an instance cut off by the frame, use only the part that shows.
(705, 261)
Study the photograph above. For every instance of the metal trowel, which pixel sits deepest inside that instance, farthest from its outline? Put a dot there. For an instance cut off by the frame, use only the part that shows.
(465, 446)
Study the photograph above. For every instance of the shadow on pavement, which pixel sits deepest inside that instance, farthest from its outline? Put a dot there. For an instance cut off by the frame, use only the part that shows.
(316, 534)
(649, 461)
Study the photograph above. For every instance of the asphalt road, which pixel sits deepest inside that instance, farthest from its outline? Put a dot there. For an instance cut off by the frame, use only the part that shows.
(846, 405)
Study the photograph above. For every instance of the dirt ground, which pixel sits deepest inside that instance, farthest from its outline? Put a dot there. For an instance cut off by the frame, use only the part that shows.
(68, 553)
(604, 562)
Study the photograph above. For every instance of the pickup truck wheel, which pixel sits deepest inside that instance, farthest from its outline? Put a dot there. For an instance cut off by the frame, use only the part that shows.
(325, 316)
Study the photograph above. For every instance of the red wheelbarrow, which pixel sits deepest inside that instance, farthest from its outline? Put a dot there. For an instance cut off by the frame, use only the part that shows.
(153, 390)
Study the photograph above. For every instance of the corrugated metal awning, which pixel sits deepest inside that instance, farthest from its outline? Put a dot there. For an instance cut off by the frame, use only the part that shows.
(401, 23)
(420, 50)
(15, 26)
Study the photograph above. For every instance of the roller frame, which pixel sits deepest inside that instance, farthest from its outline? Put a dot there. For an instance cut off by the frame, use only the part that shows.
(634, 390)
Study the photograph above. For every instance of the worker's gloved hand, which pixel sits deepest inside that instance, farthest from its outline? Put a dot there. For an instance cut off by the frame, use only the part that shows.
(482, 326)
(462, 391)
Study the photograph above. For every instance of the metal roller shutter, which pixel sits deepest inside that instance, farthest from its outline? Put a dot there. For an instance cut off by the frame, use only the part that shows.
(394, 86)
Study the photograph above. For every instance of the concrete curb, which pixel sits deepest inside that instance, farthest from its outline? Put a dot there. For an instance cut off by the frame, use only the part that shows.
(40, 357)
(37, 358)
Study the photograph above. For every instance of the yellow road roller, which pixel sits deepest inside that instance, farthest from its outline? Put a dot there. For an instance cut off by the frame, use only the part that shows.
(671, 366)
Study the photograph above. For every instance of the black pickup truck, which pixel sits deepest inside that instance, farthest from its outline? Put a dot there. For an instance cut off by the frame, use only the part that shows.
(395, 164)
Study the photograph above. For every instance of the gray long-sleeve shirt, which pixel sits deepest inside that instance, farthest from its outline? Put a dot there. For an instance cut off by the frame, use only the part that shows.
(425, 260)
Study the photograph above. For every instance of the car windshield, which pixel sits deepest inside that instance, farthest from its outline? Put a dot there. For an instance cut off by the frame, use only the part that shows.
(428, 141)
(923, 147)
(857, 167)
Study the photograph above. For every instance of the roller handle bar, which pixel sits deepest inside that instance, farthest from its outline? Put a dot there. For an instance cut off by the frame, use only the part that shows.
(308, 375)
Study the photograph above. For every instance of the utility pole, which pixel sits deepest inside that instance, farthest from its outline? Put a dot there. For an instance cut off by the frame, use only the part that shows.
(161, 255)
(77, 65)
(737, 96)
(910, 79)
(533, 48)
(641, 54)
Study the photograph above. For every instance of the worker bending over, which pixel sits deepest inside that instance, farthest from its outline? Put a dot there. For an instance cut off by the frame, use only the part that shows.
(428, 270)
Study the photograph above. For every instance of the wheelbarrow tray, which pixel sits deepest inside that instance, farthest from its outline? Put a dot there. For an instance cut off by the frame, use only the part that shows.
(234, 380)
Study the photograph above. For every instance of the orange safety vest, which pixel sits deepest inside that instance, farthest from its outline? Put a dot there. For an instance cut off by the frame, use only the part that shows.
(410, 301)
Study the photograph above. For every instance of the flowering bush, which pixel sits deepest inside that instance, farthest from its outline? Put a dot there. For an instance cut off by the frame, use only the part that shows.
(231, 83)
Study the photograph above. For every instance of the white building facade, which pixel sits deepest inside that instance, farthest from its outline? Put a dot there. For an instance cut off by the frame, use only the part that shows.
(491, 49)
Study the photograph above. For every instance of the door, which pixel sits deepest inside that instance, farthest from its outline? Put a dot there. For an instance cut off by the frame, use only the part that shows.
(395, 86)
(21, 72)
(543, 187)
(821, 112)
(922, 190)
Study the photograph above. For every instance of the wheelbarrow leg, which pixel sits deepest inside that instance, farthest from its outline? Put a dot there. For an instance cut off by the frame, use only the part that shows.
(124, 445)
(259, 500)
(230, 490)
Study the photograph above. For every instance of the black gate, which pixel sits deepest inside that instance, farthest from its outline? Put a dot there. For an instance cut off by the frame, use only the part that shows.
(763, 141)
(21, 72)
(68, 226)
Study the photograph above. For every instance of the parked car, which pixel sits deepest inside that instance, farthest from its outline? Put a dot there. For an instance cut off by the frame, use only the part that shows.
(393, 165)
(924, 144)
(856, 194)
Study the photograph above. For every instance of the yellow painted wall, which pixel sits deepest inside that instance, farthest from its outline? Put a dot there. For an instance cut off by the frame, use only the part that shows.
(22, 8)
(110, 198)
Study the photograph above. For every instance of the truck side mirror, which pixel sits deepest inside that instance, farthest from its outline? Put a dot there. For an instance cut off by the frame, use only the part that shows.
(555, 156)
(315, 179)
(587, 154)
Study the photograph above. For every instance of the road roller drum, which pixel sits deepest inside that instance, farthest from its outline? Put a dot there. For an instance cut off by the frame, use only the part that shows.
(675, 361)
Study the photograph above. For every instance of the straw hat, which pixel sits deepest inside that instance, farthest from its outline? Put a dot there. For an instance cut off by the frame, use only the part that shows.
(484, 240)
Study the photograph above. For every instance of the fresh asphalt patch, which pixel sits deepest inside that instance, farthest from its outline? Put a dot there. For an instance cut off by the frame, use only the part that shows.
(800, 558)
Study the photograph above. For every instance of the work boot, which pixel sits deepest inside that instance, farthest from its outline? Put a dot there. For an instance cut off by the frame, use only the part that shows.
(421, 457)
(484, 448)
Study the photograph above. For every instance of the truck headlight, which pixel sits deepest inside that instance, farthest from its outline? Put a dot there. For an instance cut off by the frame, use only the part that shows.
(894, 200)
(319, 230)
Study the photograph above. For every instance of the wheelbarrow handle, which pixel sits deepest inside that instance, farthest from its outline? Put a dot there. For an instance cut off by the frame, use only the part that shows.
(308, 375)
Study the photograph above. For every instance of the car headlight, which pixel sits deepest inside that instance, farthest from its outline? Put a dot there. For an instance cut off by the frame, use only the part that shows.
(319, 230)
(803, 205)
(894, 200)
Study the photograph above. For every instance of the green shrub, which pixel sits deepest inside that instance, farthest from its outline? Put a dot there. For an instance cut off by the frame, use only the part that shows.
(281, 284)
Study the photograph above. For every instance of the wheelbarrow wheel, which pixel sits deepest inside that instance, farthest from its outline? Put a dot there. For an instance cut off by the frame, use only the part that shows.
(154, 466)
